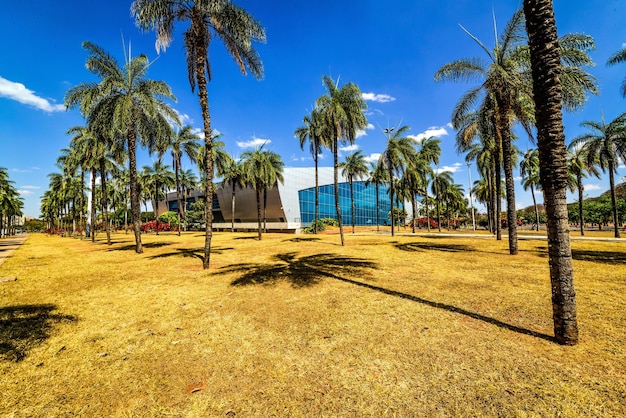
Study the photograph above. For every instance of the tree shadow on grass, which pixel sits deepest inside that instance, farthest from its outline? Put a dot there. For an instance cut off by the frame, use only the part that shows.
(310, 270)
(190, 252)
(132, 247)
(25, 327)
(300, 272)
(607, 257)
(301, 239)
(422, 246)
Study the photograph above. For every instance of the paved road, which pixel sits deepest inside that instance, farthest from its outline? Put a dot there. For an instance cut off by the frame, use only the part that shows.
(8, 245)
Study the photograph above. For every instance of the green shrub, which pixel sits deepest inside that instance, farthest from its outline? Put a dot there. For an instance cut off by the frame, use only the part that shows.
(170, 218)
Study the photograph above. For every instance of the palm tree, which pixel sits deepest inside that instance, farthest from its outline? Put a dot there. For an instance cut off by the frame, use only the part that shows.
(507, 92)
(128, 103)
(184, 142)
(188, 182)
(578, 166)
(546, 75)
(378, 176)
(529, 170)
(398, 154)
(441, 181)
(604, 146)
(353, 167)
(158, 179)
(342, 110)
(233, 176)
(428, 153)
(617, 58)
(318, 136)
(261, 170)
(207, 20)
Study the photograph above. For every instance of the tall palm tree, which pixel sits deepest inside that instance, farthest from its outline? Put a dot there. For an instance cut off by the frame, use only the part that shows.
(529, 170)
(508, 94)
(617, 58)
(207, 19)
(428, 153)
(398, 154)
(318, 136)
(441, 181)
(233, 176)
(354, 167)
(125, 101)
(578, 166)
(188, 182)
(546, 75)
(378, 176)
(184, 142)
(158, 179)
(343, 113)
(262, 169)
(605, 145)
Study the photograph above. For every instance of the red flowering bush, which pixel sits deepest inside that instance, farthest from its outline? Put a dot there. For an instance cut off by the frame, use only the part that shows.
(151, 226)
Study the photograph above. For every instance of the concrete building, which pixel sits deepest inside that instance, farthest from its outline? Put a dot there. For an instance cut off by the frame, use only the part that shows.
(291, 205)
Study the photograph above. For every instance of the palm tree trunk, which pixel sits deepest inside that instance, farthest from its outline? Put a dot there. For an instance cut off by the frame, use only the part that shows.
(135, 207)
(258, 209)
(391, 193)
(613, 198)
(579, 182)
(511, 212)
(232, 207)
(546, 70)
(317, 193)
(104, 198)
(265, 210)
(352, 202)
(426, 202)
(377, 210)
(156, 206)
(498, 178)
(93, 205)
(203, 94)
(532, 192)
(178, 202)
(336, 175)
(414, 204)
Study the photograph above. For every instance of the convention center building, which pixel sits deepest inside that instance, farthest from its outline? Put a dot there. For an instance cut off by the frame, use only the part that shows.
(291, 204)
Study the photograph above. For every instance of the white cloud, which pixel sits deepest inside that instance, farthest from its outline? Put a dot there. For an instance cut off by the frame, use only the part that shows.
(379, 98)
(349, 148)
(19, 93)
(362, 132)
(25, 193)
(373, 158)
(435, 131)
(24, 170)
(590, 187)
(29, 187)
(517, 178)
(254, 143)
(454, 168)
(185, 119)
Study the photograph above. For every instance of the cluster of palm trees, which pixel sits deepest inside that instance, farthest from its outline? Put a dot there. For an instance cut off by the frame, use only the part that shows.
(337, 117)
(485, 116)
(11, 204)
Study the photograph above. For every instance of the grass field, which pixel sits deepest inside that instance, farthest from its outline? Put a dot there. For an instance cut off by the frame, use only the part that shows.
(296, 325)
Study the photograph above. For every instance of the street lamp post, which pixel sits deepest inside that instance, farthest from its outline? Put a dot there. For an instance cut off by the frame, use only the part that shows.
(469, 173)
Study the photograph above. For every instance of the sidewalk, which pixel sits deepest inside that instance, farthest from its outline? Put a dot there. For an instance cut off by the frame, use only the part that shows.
(8, 245)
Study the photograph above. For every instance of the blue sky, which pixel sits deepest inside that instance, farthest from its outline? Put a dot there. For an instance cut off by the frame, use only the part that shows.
(390, 49)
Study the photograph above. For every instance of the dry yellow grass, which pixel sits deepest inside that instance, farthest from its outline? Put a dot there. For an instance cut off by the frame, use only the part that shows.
(300, 326)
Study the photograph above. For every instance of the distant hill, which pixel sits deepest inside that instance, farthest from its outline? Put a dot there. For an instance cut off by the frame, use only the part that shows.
(620, 191)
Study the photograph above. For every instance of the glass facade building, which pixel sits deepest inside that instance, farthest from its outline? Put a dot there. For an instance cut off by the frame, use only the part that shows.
(364, 204)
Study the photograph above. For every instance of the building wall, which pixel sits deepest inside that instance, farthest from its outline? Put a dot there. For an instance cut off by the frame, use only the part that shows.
(292, 204)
